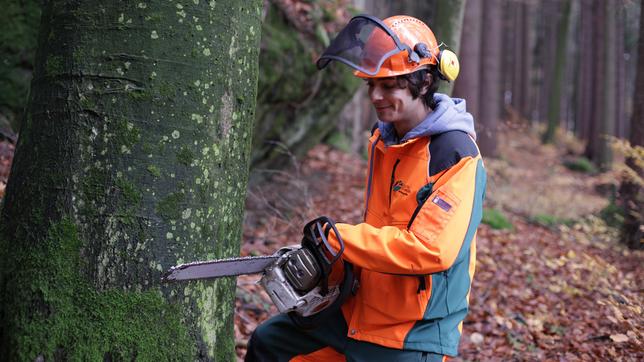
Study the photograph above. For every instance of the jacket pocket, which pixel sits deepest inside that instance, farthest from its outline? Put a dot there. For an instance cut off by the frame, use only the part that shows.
(392, 299)
(434, 215)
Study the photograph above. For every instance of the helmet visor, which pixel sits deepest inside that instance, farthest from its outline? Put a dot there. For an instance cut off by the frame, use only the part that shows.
(364, 44)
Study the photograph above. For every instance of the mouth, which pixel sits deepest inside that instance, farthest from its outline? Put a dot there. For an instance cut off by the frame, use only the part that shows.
(381, 108)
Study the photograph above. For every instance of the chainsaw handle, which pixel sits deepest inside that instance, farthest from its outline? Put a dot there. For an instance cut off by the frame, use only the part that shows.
(316, 234)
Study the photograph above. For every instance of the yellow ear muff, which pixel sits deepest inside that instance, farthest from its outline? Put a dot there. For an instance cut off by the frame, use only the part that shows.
(448, 65)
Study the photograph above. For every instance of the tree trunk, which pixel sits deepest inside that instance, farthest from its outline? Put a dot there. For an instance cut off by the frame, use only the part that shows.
(447, 26)
(556, 87)
(585, 80)
(632, 189)
(490, 77)
(598, 81)
(467, 85)
(133, 157)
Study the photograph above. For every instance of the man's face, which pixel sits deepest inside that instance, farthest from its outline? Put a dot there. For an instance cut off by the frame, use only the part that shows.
(392, 103)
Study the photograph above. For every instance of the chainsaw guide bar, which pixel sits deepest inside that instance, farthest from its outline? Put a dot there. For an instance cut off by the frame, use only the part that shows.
(219, 268)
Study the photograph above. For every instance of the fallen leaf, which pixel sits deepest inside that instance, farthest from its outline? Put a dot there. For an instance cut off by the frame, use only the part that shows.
(476, 338)
(619, 338)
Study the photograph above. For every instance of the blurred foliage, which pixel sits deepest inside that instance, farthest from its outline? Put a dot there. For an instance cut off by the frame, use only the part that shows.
(580, 164)
(339, 141)
(18, 40)
(635, 154)
(613, 215)
(496, 219)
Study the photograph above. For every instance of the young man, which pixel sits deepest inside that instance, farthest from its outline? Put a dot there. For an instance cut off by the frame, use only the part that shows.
(414, 254)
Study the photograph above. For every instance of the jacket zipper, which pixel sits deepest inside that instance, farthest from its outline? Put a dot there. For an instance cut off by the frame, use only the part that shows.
(393, 177)
(371, 158)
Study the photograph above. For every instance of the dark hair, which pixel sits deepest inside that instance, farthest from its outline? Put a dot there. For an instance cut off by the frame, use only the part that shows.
(415, 82)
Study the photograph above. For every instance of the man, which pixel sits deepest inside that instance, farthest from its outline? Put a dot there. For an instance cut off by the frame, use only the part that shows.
(414, 254)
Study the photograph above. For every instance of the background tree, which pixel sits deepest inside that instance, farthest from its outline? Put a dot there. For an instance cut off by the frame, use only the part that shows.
(468, 83)
(631, 189)
(490, 73)
(556, 94)
(133, 157)
(447, 26)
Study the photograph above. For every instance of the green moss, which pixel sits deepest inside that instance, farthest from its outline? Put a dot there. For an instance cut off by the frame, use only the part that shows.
(126, 133)
(185, 156)
(130, 192)
(139, 95)
(581, 164)
(53, 311)
(169, 208)
(154, 170)
(496, 219)
(549, 221)
(54, 65)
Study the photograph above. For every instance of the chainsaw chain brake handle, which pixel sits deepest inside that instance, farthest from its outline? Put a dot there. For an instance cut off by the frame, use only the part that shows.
(316, 234)
(316, 242)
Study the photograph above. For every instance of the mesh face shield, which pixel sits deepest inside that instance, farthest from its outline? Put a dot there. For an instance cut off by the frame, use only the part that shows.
(364, 44)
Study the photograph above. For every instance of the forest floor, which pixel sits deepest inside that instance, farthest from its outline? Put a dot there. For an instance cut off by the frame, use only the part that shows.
(556, 285)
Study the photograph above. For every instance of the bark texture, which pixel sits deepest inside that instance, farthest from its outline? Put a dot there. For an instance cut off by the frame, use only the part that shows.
(133, 157)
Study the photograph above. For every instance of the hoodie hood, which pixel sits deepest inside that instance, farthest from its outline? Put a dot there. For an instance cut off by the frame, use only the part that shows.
(449, 115)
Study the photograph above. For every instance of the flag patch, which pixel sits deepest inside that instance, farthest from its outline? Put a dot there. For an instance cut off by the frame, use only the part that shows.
(442, 203)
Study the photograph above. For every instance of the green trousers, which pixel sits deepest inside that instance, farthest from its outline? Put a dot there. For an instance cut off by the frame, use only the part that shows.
(279, 339)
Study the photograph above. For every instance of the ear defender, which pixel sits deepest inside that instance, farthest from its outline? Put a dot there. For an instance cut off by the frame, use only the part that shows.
(448, 65)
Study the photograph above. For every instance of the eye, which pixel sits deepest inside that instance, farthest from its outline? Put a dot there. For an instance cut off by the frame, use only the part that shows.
(389, 84)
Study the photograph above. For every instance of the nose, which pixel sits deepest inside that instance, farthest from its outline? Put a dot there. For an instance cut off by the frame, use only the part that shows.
(375, 94)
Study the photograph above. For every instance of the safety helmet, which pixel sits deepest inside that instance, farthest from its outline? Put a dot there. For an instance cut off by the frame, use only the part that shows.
(398, 45)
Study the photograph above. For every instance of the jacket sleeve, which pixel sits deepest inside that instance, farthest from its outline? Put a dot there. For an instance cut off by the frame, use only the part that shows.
(444, 224)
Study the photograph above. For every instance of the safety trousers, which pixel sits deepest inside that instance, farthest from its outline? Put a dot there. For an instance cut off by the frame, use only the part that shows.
(280, 340)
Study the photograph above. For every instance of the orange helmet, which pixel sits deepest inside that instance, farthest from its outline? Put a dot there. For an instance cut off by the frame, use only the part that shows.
(410, 31)
(398, 45)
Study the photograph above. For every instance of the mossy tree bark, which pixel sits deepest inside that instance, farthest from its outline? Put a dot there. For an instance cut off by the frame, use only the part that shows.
(133, 157)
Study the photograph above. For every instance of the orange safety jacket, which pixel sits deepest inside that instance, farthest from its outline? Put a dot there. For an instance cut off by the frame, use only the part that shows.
(415, 251)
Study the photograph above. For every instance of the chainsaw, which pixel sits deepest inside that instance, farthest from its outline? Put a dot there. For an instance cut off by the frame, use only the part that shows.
(296, 278)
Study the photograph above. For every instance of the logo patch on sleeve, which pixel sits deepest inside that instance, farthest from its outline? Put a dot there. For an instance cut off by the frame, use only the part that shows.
(442, 203)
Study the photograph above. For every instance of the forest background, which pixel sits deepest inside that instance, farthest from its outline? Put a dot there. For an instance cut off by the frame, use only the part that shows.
(555, 87)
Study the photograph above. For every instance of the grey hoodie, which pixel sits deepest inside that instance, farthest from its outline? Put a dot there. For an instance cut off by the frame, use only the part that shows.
(449, 115)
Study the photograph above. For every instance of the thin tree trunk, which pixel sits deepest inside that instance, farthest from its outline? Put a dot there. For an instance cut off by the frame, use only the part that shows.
(490, 77)
(447, 26)
(557, 87)
(598, 80)
(586, 59)
(133, 157)
(467, 84)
